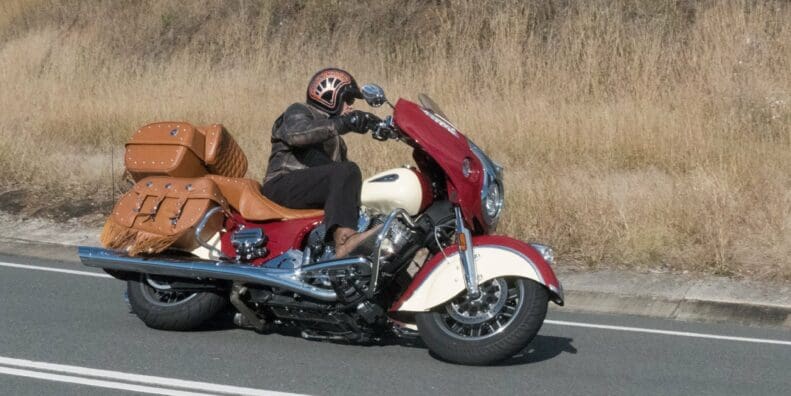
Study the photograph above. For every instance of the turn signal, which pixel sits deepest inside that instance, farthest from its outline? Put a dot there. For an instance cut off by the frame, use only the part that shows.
(462, 242)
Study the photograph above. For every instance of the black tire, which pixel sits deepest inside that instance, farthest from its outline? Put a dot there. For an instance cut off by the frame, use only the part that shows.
(523, 326)
(187, 314)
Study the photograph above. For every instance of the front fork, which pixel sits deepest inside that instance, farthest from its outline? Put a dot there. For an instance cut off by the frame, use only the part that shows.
(464, 240)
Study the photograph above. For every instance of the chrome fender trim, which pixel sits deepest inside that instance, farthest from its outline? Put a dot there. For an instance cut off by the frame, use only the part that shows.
(442, 278)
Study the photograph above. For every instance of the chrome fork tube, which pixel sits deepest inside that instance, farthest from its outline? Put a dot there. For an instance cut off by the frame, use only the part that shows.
(464, 238)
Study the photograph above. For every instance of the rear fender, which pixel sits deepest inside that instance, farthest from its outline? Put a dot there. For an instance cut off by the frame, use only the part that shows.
(441, 278)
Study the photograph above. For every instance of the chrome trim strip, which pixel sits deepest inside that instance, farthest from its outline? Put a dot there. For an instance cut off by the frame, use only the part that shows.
(199, 269)
(468, 258)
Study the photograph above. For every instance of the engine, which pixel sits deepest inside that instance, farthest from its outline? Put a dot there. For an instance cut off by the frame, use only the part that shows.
(359, 313)
(397, 239)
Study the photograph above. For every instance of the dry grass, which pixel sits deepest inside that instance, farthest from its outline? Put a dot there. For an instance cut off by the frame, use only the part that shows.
(635, 133)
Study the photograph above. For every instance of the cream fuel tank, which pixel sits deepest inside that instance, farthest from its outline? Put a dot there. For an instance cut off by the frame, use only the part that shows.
(403, 188)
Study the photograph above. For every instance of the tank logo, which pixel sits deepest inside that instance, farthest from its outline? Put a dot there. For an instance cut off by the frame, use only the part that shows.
(386, 178)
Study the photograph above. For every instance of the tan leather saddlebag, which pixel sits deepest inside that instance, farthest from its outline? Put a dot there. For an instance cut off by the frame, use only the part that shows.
(160, 212)
(179, 149)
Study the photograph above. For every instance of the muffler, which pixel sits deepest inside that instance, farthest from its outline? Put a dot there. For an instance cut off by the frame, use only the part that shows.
(201, 269)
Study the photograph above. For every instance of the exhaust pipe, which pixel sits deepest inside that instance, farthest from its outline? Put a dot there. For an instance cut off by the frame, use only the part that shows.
(200, 269)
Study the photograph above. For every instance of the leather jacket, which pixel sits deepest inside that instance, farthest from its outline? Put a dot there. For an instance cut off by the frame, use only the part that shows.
(304, 137)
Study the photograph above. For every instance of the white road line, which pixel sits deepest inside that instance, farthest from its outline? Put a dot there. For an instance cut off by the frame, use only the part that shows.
(144, 379)
(50, 269)
(97, 383)
(552, 322)
(668, 332)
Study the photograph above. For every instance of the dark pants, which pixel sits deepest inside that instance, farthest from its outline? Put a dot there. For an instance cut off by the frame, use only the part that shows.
(333, 187)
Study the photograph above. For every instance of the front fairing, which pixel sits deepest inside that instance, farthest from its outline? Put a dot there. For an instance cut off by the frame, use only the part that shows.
(449, 148)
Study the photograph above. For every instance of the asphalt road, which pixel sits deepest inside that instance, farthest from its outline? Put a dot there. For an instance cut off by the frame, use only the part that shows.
(71, 334)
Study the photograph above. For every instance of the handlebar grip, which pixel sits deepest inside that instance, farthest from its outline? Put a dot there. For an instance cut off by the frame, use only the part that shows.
(379, 134)
(385, 130)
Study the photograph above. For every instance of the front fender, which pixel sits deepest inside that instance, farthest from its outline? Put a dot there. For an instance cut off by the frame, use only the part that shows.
(441, 278)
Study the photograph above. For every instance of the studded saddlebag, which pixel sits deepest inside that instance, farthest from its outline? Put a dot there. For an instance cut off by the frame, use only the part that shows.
(160, 212)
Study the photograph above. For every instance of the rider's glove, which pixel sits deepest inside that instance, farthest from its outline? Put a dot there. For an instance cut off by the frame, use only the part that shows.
(358, 121)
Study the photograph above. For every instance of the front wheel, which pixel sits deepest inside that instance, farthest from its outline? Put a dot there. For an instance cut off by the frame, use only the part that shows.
(489, 329)
(161, 307)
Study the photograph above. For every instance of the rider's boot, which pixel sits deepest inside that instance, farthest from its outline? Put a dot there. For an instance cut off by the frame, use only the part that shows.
(347, 240)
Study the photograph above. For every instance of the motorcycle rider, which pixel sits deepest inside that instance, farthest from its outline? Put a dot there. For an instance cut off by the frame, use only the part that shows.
(308, 167)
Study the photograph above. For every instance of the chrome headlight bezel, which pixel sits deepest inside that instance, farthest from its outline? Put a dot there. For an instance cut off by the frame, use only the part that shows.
(492, 200)
(493, 191)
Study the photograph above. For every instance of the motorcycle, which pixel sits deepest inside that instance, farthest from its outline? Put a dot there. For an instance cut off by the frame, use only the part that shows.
(434, 270)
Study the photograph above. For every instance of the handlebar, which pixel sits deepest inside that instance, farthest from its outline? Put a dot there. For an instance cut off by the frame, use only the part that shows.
(385, 130)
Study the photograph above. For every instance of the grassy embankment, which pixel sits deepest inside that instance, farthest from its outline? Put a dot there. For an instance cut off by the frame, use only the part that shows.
(634, 133)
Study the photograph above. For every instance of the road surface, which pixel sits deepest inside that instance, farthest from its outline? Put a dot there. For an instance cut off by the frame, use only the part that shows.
(66, 330)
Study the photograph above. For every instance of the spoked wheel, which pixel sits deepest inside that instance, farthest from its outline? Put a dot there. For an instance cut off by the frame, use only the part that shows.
(160, 306)
(159, 292)
(499, 323)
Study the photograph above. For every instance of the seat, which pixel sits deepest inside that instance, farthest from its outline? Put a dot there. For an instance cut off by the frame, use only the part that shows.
(245, 196)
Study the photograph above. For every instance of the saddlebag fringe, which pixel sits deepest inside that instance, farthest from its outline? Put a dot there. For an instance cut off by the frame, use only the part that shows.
(116, 236)
(134, 242)
(150, 243)
(159, 213)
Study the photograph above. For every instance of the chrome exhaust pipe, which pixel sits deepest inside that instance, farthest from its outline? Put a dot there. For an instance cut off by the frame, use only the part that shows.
(200, 269)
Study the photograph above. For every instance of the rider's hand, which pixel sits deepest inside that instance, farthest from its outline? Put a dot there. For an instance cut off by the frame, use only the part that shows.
(358, 121)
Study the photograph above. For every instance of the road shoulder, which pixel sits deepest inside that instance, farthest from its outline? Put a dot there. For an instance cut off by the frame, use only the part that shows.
(681, 297)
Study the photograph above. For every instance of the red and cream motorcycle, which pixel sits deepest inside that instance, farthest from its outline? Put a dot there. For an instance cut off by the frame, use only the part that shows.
(435, 268)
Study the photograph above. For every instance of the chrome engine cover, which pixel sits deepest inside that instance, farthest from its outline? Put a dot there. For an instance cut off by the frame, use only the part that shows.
(249, 243)
(395, 239)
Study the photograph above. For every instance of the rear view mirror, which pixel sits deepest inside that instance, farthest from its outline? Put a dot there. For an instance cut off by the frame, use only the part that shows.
(374, 95)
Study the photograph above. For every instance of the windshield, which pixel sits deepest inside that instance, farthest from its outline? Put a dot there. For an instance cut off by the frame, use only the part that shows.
(431, 105)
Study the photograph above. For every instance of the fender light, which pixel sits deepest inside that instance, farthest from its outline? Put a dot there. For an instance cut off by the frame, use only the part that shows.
(547, 253)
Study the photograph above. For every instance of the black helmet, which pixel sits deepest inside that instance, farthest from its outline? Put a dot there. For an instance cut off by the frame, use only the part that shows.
(330, 88)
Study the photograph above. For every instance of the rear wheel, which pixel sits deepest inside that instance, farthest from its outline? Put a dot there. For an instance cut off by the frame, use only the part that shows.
(491, 328)
(162, 307)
